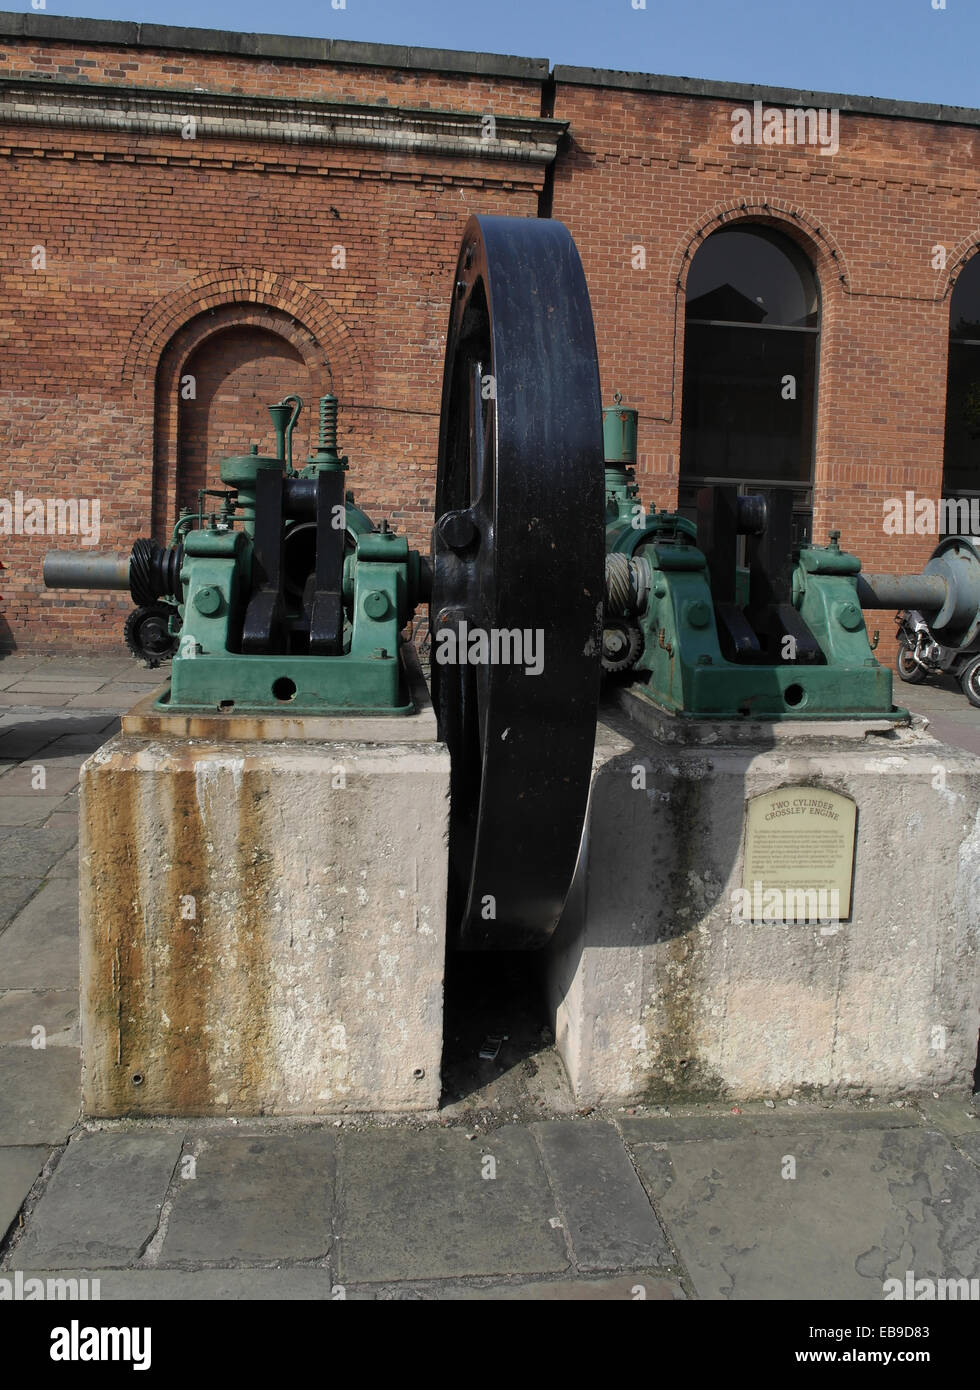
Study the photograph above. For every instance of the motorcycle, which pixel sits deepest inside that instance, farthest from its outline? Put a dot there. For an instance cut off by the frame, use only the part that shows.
(921, 656)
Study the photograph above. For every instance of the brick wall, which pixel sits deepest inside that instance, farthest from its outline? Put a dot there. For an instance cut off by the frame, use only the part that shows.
(164, 255)
(660, 171)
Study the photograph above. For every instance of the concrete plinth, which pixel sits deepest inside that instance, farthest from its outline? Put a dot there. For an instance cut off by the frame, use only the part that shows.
(263, 924)
(660, 993)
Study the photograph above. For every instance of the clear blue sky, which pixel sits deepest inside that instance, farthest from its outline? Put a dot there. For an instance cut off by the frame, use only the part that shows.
(888, 48)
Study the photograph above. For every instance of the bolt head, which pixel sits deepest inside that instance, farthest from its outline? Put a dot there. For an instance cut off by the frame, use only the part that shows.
(207, 600)
(376, 604)
(457, 530)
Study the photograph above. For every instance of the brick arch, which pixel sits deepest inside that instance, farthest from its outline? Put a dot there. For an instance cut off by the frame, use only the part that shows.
(956, 263)
(826, 256)
(243, 286)
(230, 341)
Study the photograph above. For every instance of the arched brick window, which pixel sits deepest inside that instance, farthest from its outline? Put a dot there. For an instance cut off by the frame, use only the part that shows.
(750, 367)
(961, 467)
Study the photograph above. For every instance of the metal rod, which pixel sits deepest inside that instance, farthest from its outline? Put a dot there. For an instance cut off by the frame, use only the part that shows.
(69, 569)
(924, 592)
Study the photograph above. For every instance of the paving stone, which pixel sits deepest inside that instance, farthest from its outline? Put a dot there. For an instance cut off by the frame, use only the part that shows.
(415, 1206)
(952, 1117)
(67, 865)
(14, 699)
(970, 1144)
(679, 1129)
(20, 780)
(62, 820)
(60, 685)
(607, 1214)
(26, 853)
(102, 1203)
(28, 810)
(14, 893)
(40, 947)
(863, 1207)
(40, 1094)
(18, 1170)
(224, 1285)
(22, 1010)
(629, 1287)
(109, 698)
(255, 1197)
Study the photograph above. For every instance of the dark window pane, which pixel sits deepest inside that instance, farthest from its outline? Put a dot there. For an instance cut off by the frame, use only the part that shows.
(964, 309)
(752, 277)
(735, 423)
(962, 472)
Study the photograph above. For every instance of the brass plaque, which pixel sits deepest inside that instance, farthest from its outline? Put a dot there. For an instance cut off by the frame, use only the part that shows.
(799, 856)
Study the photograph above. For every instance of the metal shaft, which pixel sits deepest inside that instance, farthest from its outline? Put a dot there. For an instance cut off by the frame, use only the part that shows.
(70, 569)
(924, 592)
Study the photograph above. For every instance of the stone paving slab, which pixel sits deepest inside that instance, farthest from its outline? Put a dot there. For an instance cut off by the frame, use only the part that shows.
(650, 1129)
(19, 1168)
(20, 780)
(26, 853)
(605, 1210)
(254, 1197)
(14, 892)
(40, 1096)
(67, 865)
(102, 1204)
(952, 1117)
(28, 810)
(970, 1145)
(638, 1287)
(213, 1285)
(54, 1010)
(415, 1205)
(40, 947)
(862, 1207)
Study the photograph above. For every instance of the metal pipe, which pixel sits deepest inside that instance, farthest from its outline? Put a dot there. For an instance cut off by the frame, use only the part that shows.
(70, 569)
(925, 592)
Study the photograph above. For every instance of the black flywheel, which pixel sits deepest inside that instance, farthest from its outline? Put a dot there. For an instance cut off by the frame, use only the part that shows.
(518, 558)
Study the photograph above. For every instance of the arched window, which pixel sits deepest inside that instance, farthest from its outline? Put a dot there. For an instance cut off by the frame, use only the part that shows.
(961, 470)
(750, 368)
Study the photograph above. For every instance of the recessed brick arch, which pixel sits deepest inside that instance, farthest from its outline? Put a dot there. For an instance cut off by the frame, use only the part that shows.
(215, 378)
(811, 236)
(956, 262)
(243, 286)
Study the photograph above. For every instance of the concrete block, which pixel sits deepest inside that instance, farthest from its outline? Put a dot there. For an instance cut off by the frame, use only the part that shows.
(659, 992)
(263, 926)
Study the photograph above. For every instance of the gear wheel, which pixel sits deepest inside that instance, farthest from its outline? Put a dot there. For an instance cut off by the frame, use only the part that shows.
(622, 644)
(147, 633)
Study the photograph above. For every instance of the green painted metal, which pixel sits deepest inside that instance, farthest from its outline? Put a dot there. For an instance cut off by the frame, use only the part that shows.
(619, 434)
(681, 665)
(382, 584)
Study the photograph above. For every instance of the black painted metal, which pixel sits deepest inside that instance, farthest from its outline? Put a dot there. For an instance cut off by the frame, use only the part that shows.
(518, 545)
(326, 607)
(264, 616)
